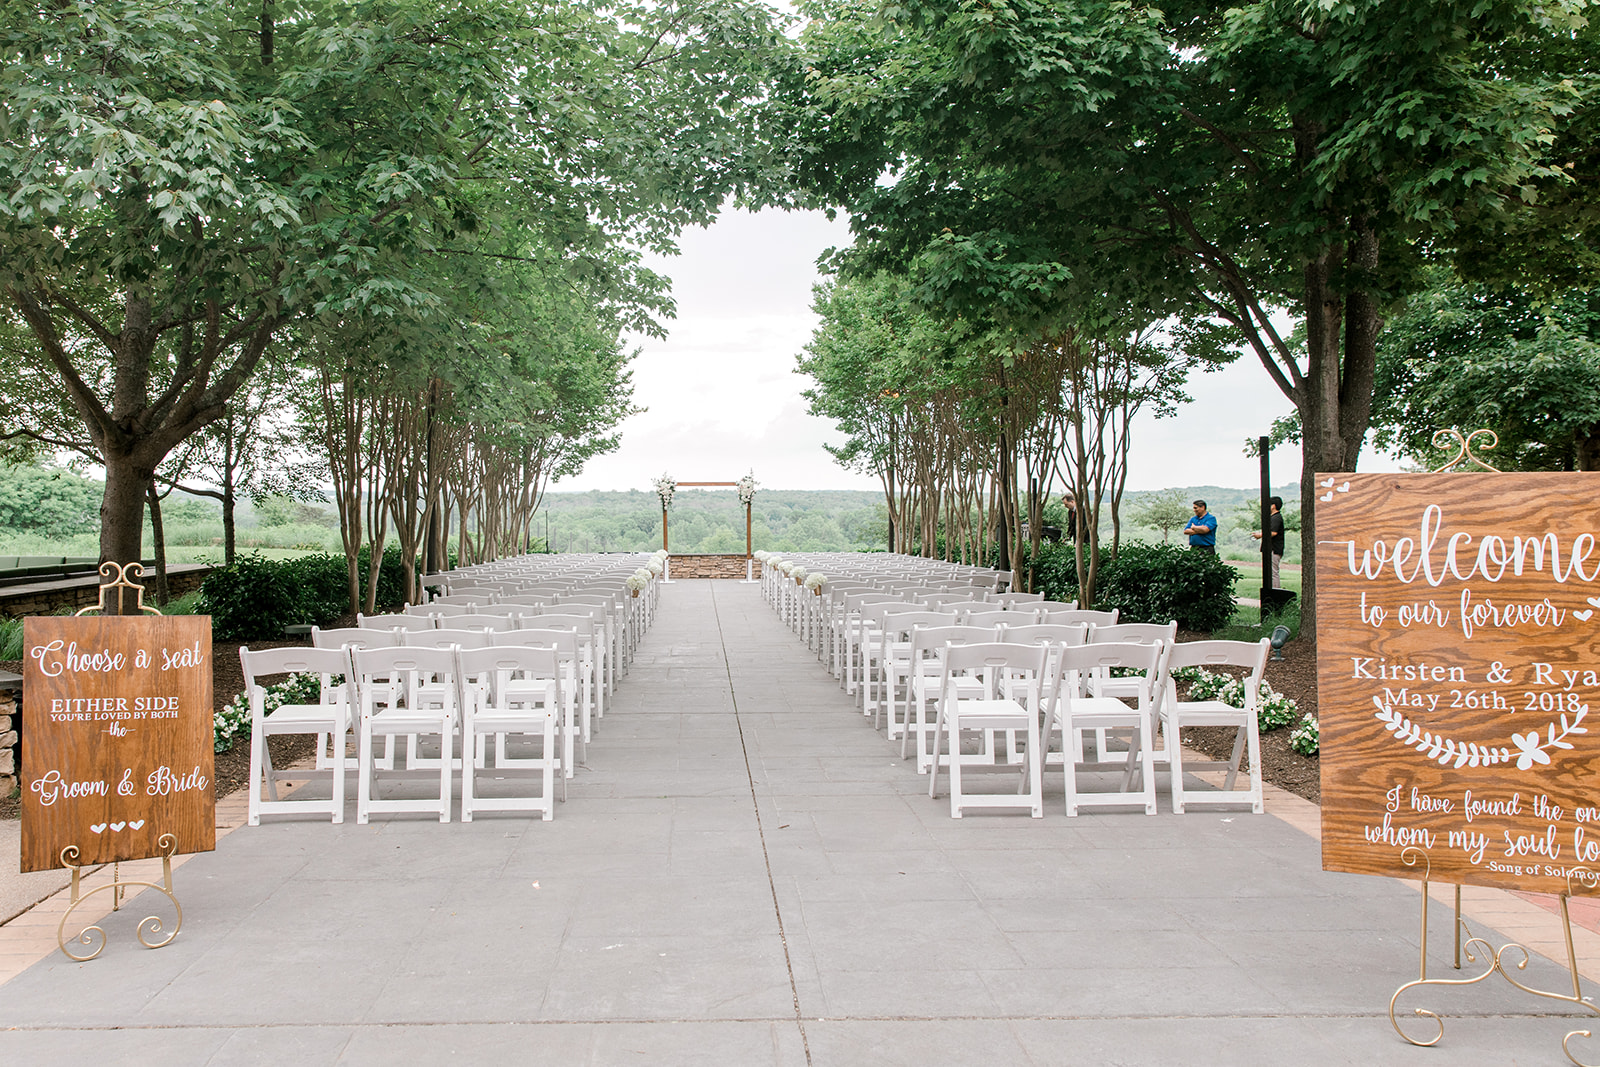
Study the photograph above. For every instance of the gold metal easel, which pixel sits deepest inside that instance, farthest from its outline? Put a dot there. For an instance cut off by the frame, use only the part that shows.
(93, 935)
(121, 582)
(1493, 958)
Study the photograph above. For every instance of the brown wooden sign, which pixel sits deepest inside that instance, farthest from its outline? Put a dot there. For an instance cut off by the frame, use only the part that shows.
(117, 747)
(1458, 649)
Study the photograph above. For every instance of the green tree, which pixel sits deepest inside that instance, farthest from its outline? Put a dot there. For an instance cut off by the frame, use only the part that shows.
(1166, 511)
(179, 181)
(1240, 159)
(1468, 356)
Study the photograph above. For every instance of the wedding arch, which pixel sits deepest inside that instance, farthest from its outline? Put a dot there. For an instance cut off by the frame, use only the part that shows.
(666, 486)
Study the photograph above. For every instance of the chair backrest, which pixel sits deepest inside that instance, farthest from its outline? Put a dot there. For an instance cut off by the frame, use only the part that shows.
(1083, 659)
(565, 642)
(1046, 633)
(1138, 632)
(485, 623)
(450, 611)
(932, 640)
(1099, 618)
(409, 623)
(1012, 599)
(497, 664)
(992, 616)
(964, 606)
(583, 624)
(354, 636)
(375, 666)
(597, 612)
(993, 660)
(521, 600)
(262, 663)
(1252, 655)
(503, 608)
(448, 639)
(467, 595)
(1056, 605)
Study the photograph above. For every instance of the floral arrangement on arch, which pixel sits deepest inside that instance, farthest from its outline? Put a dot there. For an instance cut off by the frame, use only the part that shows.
(665, 486)
(747, 489)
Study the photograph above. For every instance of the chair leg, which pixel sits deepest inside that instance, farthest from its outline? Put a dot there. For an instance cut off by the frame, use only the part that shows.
(446, 737)
(364, 777)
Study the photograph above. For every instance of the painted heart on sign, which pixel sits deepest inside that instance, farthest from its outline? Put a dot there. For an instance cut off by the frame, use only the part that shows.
(1594, 602)
(1325, 496)
(136, 825)
(117, 826)
(97, 828)
(1328, 484)
(1345, 488)
(1584, 616)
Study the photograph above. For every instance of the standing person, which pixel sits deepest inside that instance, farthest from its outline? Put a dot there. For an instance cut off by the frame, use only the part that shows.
(1202, 529)
(1275, 539)
(1070, 502)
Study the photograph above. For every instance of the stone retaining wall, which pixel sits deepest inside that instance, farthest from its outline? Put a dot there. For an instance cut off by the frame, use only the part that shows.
(10, 727)
(709, 566)
(47, 598)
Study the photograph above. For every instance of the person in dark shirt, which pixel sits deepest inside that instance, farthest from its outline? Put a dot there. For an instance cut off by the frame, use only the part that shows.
(1275, 539)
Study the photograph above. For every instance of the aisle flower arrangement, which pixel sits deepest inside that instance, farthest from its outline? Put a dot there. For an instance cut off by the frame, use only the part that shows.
(639, 581)
(815, 581)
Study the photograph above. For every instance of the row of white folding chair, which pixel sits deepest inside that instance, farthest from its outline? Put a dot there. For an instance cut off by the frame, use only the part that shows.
(921, 663)
(404, 691)
(579, 655)
(1072, 708)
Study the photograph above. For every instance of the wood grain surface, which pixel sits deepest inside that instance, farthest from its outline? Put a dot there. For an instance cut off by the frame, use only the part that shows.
(118, 745)
(1458, 644)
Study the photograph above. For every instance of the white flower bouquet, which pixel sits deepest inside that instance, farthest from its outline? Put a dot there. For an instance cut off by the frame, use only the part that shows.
(815, 581)
(665, 486)
(747, 489)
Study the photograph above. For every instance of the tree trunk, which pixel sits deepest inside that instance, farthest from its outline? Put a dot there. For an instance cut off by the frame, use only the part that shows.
(122, 514)
(159, 539)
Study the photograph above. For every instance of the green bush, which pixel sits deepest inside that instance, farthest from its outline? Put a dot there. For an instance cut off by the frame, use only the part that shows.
(1054, 572)
(1158, 583)
(255, 598)
(10, 639)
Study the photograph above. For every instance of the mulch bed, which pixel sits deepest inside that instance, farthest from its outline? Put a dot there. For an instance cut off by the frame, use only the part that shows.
(1295, 676)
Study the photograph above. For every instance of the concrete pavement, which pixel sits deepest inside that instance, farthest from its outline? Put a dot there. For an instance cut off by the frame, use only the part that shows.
(746, 873)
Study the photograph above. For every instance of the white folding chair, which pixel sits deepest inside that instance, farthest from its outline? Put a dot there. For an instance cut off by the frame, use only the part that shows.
(509, 691)
(924, 676)
(995, 667)
(1074, 709)
(1176, 714)
(392, 710)
(328, 719)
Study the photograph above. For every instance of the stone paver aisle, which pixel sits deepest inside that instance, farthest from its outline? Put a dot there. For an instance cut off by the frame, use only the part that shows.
(747, 873)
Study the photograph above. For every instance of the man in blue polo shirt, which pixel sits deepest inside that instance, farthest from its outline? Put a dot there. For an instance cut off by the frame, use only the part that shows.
(1202, 529)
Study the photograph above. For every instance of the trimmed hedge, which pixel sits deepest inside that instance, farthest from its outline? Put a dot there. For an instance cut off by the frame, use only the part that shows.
(1158, 583)
(255, 598)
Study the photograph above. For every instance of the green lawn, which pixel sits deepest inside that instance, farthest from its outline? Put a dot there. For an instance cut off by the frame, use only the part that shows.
(1249, 583)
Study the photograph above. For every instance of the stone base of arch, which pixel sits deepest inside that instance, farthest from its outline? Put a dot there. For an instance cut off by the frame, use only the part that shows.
(710, 565)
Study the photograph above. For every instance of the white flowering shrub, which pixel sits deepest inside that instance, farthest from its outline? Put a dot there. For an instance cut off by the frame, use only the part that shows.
(1273, 709)
(1306, 738)
(232, 723)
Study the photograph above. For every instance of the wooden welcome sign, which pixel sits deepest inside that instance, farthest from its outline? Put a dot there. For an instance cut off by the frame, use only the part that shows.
(1458, 648)
(117, 748)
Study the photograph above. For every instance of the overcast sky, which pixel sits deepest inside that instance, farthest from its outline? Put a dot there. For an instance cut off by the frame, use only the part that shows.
(722, 395)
